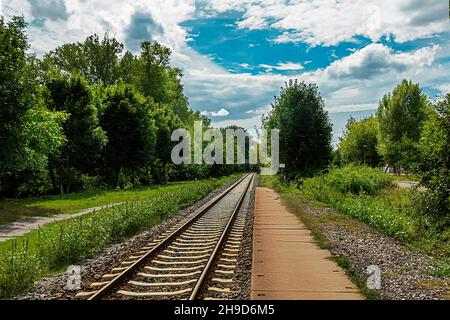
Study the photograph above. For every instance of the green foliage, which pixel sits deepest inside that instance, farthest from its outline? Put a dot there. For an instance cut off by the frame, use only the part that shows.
(443, 268)
(130, 131)
(28, 130)
(351, 179)
(432, 165)
(369, 210)
(359, 143)
(97, 60)
(49, 122)
(15, 88)
(305, 129)
(60, 244)
(154, 60)
(336, 161)
(400, 116)
(85, 139)
(18, 270)
(167, 123)
(151, 74)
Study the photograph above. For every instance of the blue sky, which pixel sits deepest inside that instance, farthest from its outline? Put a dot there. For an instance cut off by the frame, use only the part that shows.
(236, 54)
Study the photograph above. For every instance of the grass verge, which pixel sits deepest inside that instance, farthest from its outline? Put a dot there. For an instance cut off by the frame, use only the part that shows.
(58, 245)
(13, 209)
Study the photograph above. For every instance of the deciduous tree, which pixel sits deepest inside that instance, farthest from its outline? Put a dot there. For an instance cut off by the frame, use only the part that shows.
(130, 131)
(305, 129)
(85, 138)
(400, 116)
(359, 143)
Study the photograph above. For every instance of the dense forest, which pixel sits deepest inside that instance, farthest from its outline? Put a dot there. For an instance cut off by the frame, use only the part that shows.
(89, 115)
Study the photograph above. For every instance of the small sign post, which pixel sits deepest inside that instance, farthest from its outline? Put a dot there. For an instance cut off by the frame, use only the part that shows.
(282, 167)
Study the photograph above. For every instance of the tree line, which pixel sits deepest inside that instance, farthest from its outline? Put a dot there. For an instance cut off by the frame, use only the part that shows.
(89, 114)
(409, 131)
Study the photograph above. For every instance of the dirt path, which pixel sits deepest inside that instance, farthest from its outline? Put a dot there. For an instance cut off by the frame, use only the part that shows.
(23, 226)
(287, 263)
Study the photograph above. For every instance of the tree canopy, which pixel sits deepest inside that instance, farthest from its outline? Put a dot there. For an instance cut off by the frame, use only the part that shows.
(88, 114)
(305, 129)
(359, 143)
(400, 115)
(432, 165)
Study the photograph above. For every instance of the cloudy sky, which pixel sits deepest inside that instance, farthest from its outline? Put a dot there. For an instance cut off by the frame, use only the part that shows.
(236, 54)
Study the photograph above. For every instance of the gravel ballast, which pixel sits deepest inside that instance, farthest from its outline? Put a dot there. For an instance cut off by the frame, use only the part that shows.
(405, 274)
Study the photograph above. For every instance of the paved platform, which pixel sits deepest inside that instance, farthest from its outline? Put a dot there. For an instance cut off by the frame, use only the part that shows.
(287, 263)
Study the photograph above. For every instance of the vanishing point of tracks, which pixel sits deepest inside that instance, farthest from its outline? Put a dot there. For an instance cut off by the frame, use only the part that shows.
(195, 259)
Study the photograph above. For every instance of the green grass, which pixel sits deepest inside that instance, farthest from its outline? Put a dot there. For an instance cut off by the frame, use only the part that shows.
(12, 209)
(60, 244)
(443, 268)
(365, 194)
(356, 180)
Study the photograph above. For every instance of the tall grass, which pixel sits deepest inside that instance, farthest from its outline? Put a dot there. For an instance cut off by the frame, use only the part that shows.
(355, 190)
(61, 244)
(18, 269)
(350, 179)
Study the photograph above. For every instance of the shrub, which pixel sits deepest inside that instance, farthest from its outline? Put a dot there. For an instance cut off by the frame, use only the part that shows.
(352, 179)
(352, 190)
(429, 209)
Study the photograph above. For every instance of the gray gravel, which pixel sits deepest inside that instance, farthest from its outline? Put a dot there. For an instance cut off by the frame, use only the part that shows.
(404, 273)
(55, 287)
(243, 278)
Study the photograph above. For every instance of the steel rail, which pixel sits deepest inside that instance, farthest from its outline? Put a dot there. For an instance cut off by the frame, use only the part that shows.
(124, 275)
(223, 237)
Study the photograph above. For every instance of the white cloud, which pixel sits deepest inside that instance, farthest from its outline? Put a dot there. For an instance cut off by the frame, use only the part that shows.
(376, 59)
(355, 82)
(329, 22)
(100, 16)
(18, 7)
(358, 81)
(445, 88)
(283, 66)
(259, 111)
(249, 123)
(221, 113)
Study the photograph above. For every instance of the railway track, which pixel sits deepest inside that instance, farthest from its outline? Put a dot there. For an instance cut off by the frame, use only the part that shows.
(195, 259)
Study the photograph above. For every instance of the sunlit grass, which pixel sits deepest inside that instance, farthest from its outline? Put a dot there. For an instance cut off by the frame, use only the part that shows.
(13, 209)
